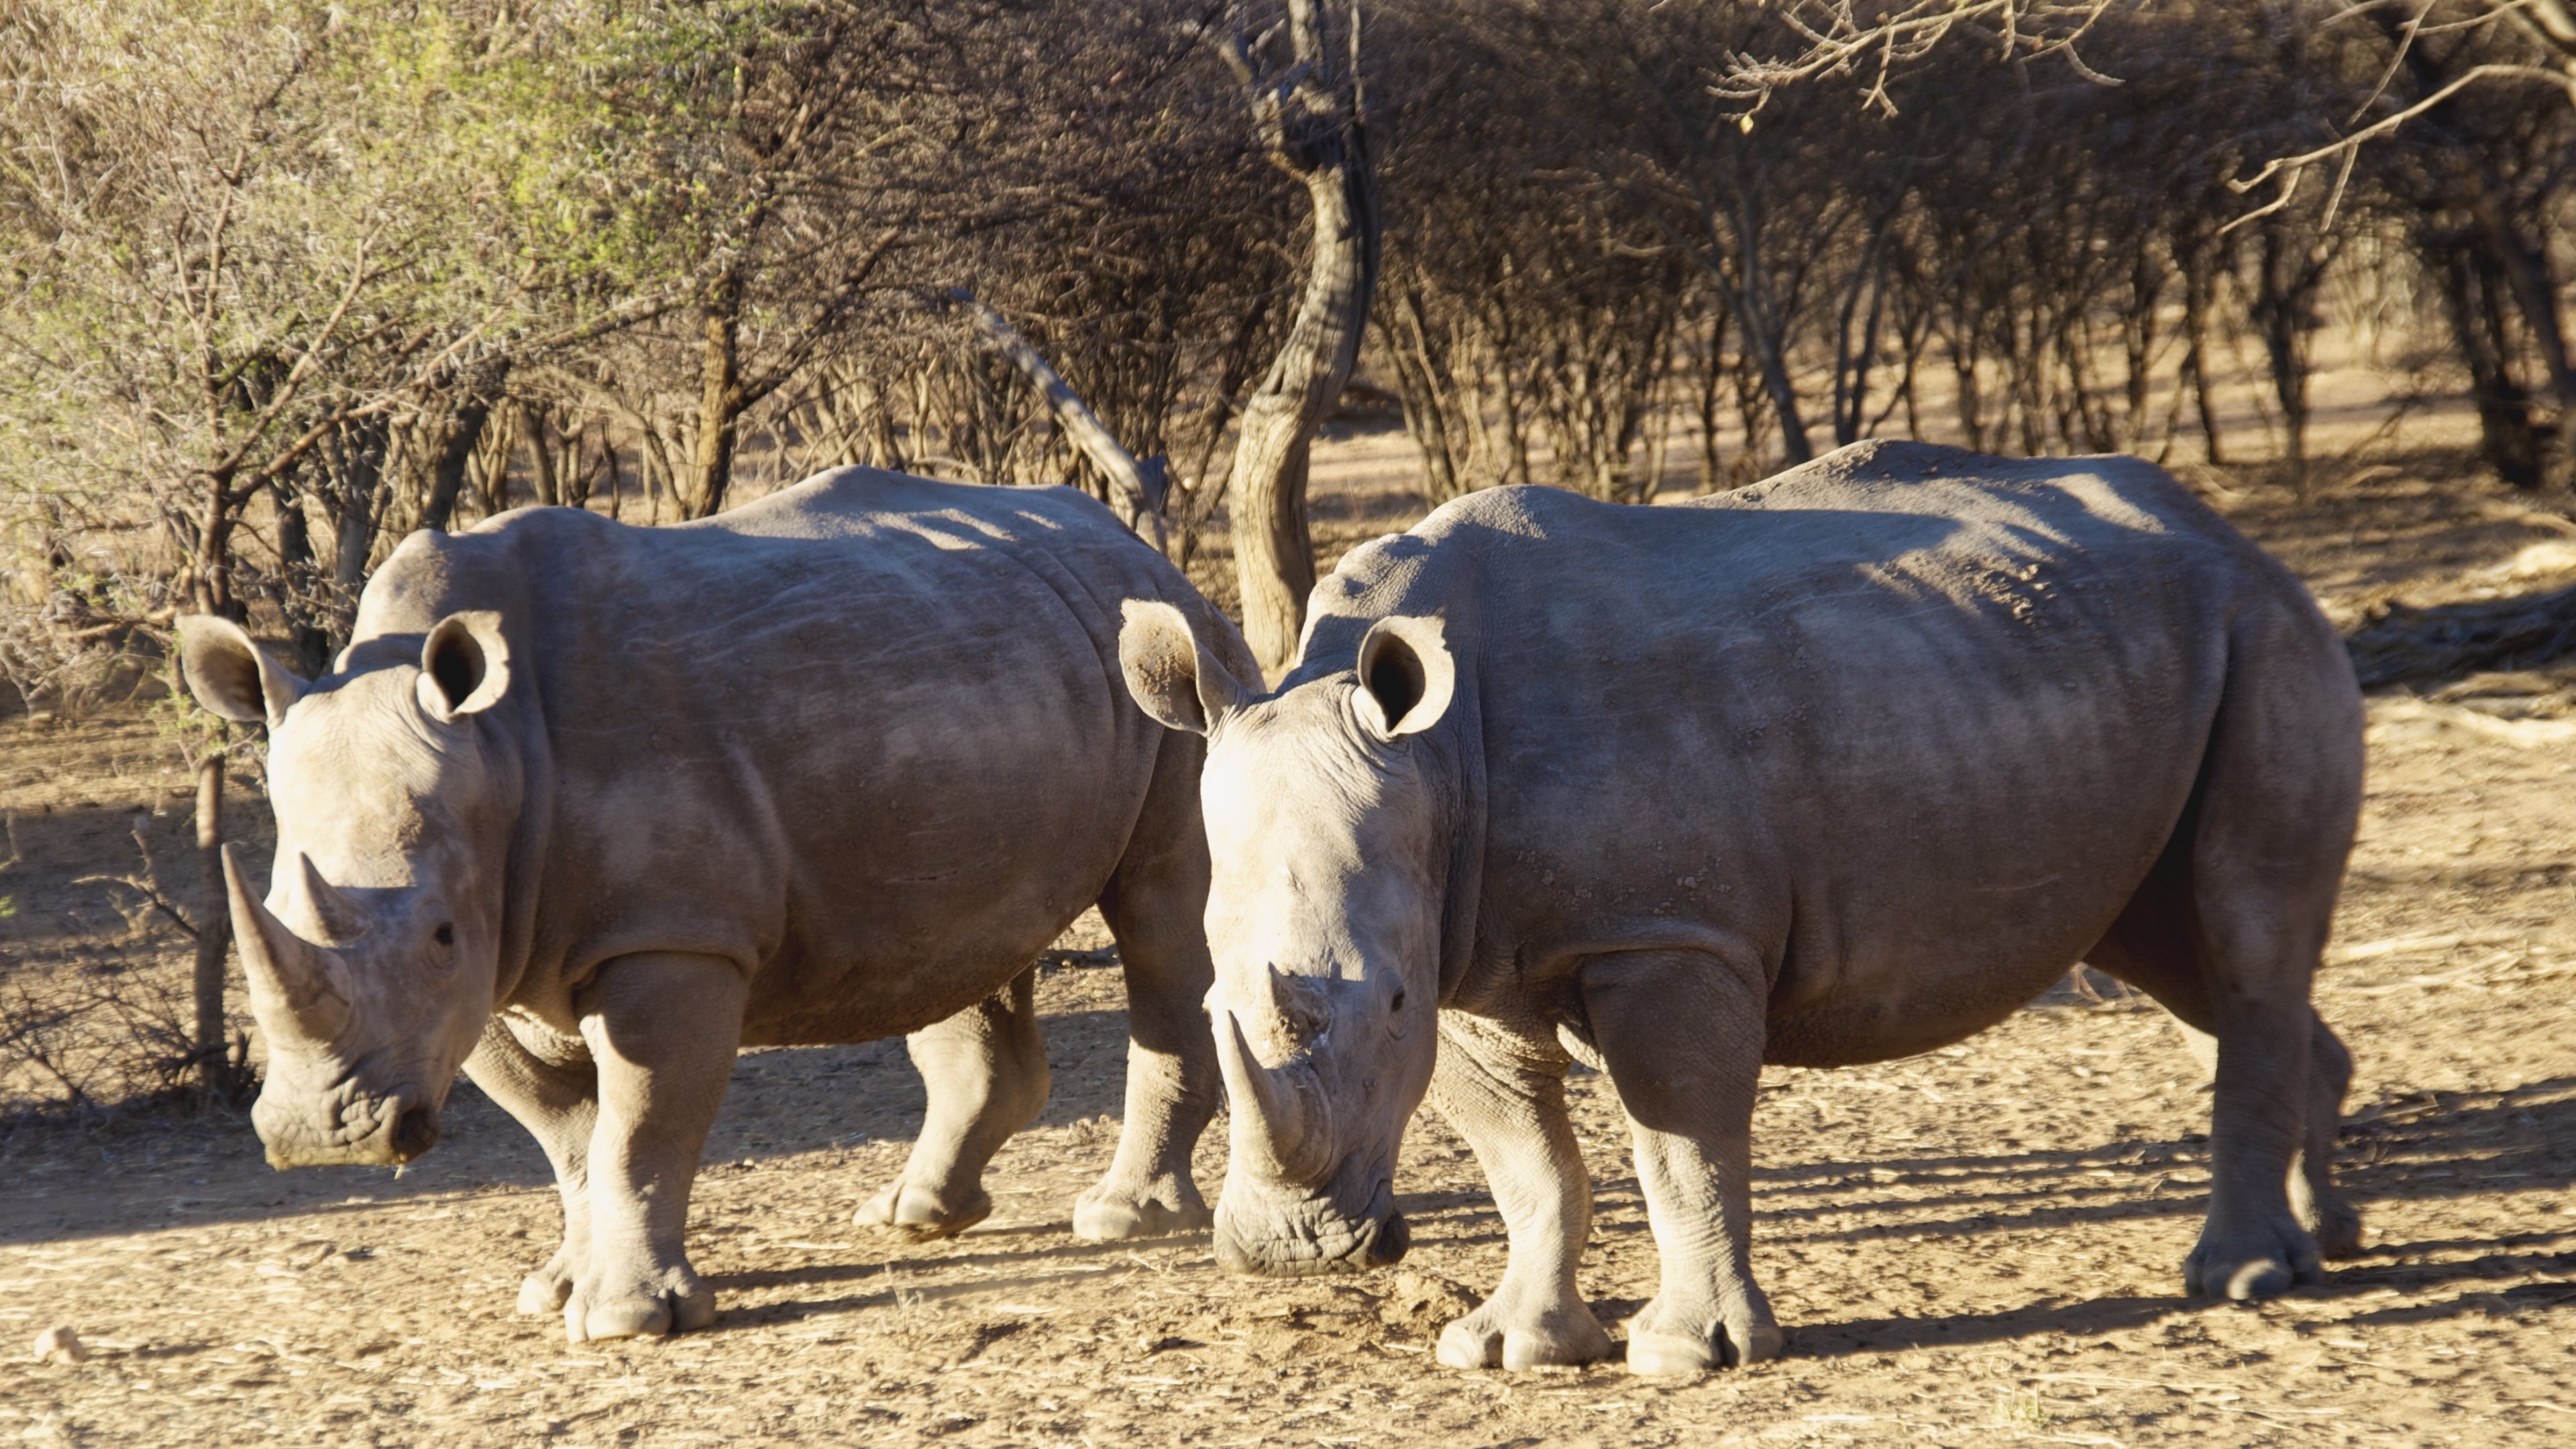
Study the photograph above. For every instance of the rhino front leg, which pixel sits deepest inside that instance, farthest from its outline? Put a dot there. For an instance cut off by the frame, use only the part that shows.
(1504, 1091)
(1157, 907)
(1682, 1033)
(545, 1079)
(985, 1071)
(663, 1030)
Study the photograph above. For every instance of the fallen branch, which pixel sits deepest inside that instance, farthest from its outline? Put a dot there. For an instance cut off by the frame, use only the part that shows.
(2520, 733)
(2416, 945)
(148, 886)
(2403, 643)
(1143, 482)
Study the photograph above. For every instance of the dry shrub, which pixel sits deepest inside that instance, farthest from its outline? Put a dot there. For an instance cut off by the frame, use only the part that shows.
(96, 1030)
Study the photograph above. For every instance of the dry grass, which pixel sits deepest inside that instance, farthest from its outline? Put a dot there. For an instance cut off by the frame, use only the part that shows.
(1978, 1246)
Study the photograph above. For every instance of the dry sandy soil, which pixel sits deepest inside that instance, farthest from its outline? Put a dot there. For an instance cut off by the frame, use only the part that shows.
(1977, 1246)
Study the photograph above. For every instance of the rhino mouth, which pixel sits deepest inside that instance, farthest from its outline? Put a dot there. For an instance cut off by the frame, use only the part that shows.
(383, 1132)
(1313, 1236)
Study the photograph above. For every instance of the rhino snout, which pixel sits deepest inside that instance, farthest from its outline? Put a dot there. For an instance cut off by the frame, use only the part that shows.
(1309, 1237)
(388, 1133)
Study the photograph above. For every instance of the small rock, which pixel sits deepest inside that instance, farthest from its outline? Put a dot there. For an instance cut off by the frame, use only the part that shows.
(59, 1344)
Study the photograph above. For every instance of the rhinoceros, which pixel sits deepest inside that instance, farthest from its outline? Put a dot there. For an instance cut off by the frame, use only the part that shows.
(1836, 768)
(585, 807)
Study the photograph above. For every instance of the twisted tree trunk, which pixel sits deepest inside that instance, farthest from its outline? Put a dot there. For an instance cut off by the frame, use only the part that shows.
(1316, 131)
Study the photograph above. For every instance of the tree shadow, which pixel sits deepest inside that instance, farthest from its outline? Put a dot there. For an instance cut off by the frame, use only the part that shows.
(2437, 1146)
(72, 1181)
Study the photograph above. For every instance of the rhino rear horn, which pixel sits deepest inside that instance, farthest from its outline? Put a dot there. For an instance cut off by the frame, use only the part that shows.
(341, 916)
(294, 984)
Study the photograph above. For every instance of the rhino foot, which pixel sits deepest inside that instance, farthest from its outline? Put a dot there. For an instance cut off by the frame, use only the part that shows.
(546, 1290)
(2330, 1216)
(919, 1214)
(662, 1303)
(2338, 1231)
(1668, 1341)
(2263, 1260)
(1102, 1215)
(1496, 1337)
(543, 1292)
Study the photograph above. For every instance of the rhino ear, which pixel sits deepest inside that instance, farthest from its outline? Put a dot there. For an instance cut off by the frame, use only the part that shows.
(1176, 680)
(231, 675)
(1406, 677)
(464, 665)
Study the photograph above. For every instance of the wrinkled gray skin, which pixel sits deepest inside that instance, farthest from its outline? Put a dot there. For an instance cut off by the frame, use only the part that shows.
(1841, 767)
(584, 808)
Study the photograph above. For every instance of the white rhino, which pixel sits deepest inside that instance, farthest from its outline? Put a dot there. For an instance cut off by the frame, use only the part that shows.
(1840, 767)
(585, 808)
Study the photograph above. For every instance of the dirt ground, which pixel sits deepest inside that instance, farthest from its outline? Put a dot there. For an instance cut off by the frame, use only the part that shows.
(1979, 1246)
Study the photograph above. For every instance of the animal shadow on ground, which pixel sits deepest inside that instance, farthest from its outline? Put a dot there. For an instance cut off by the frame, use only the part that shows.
(2433, 1146)
(781, 1103)
(2446, 1145)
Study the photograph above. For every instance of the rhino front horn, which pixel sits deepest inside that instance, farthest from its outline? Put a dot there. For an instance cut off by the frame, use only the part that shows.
(292, 981)
(1278, 1109)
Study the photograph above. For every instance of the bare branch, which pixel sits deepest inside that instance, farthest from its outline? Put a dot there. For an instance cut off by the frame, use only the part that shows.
(1142, 482)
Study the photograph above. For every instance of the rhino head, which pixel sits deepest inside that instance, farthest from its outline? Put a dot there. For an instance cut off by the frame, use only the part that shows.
(372, 964)
(1327, 832)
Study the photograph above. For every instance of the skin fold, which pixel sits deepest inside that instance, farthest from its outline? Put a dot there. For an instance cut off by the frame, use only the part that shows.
(584, 809)
(1841, 767)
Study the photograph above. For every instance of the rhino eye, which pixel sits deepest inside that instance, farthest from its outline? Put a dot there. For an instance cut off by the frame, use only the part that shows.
(446, 934)
(1398, 1003)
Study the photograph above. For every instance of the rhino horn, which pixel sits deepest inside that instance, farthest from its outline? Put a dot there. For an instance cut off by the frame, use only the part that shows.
(340, 915)
(292, 981)
(1278, 1104)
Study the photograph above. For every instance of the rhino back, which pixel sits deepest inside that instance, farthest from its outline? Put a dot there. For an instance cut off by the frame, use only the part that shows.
(1897, 721)
(865, 735)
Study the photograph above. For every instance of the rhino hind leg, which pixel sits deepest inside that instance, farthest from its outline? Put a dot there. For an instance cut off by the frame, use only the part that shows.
(2315, 1196)
(985, 1072)
(1682, 1034)
(1504, 1091)
(552, 1089)
(2226, 933)
(1156, 905)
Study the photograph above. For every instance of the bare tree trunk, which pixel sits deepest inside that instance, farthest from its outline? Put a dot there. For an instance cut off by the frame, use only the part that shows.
(1712, 475)
(2506, 433)
(2524, 272)
(215, 1073)
(1319, 134)
(719, 408)
(2199, 282)
(1428, 389)
(465, 432)
(615, 474)
(303, 597)
(2285, 308)
(524, 424)
(368, 457)
(212, 587)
